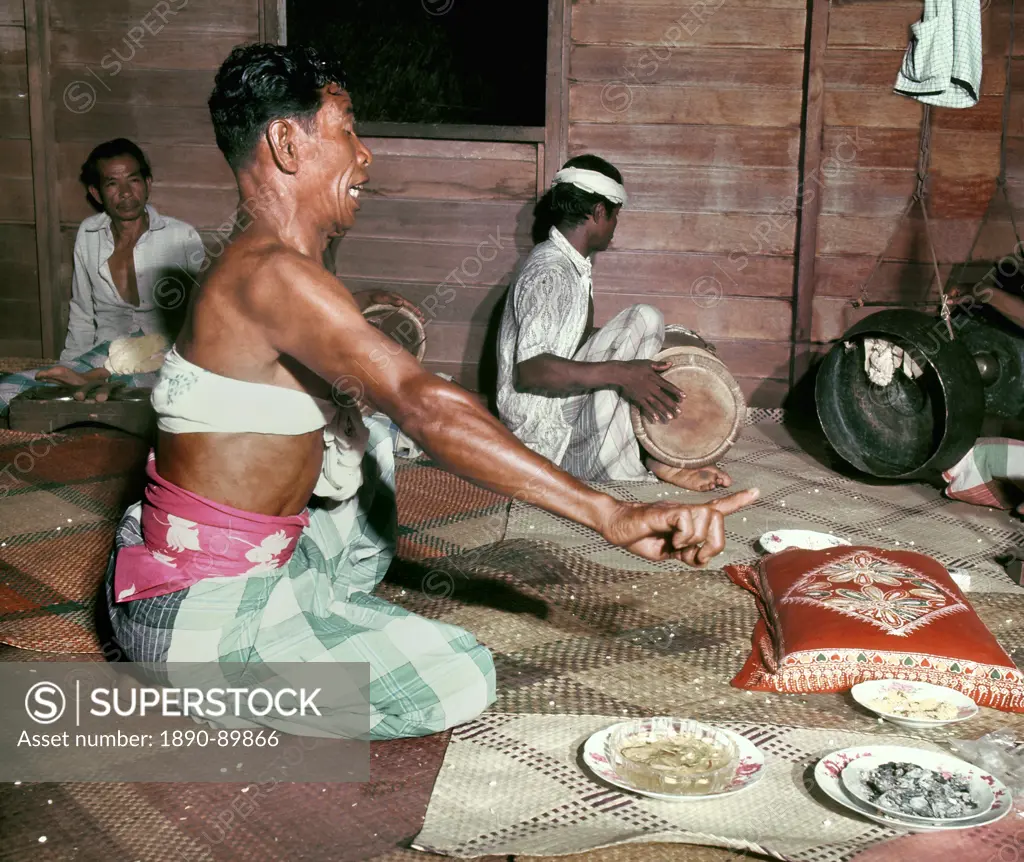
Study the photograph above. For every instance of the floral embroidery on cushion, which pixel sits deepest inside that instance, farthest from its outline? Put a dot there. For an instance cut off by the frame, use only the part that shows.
(894, 598)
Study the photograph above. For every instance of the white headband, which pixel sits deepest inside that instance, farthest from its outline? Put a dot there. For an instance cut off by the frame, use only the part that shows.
(592, 181)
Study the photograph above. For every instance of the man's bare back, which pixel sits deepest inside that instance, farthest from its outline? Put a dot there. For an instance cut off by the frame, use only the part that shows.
(264, 473)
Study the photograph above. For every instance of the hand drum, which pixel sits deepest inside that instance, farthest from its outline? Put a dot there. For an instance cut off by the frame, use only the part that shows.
(713, 412)
(401, 326)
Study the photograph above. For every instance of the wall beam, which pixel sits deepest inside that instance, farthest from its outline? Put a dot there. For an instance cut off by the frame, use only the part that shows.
(556, 126)
(272, 21)
(809, 197)
(45, 183)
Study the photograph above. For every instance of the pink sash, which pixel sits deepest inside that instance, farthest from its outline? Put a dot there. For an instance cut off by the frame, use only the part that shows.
(187, 538)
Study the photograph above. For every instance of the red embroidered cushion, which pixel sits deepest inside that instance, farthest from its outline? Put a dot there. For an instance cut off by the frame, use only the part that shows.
(833, 618)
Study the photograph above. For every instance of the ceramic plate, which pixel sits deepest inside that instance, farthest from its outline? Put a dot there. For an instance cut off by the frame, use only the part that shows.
(867, 694)
(827, 774)
(854, 779)
(781, 540)
(748, 772)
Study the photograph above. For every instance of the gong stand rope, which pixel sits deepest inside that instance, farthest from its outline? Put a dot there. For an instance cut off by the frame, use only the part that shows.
(1001, 179)
(919, 196)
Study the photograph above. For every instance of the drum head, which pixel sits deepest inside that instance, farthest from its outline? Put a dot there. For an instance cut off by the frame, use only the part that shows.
(711, 418)
(401, 326)
(677, 336)
(688, 349)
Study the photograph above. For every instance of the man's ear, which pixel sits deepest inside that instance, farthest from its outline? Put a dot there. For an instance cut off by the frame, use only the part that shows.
(281, 138)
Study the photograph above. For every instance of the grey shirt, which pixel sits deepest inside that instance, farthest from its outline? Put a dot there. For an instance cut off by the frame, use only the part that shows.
(168, 257)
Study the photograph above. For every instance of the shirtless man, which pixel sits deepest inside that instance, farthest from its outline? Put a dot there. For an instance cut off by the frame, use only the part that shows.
(227, 561)
(565, 389)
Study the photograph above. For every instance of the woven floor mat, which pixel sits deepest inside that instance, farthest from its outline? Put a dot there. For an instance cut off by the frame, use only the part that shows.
(220, 823)
(651, 853)
(804, 491)
(514, 784)
(60, 497)
(572, 636)
(580, 629)
(227, 822)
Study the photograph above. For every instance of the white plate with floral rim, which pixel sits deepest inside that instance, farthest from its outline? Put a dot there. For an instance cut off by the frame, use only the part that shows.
(748, 772)
(870, 695)
(828, 772)
(808, 540)
(856, 780)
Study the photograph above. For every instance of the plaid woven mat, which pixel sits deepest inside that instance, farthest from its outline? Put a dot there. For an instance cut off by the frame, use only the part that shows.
(512, 784)
(227, 822)
(579, 629)
(803, 487)
(60, 497)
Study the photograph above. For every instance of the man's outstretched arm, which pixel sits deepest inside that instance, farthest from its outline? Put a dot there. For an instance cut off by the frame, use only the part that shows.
(323, 329)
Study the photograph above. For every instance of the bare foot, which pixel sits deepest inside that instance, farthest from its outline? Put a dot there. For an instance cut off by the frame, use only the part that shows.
(696, 479)
(61, 374)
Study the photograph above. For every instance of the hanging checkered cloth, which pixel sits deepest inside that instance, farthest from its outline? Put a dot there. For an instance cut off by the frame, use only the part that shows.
(942, 65)
(602, 444)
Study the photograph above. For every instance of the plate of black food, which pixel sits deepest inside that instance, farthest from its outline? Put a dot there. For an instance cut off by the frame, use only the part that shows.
(925, 786)
(912, 789)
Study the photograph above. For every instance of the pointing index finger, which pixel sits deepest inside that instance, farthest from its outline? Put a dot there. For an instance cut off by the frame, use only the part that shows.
(734, 502)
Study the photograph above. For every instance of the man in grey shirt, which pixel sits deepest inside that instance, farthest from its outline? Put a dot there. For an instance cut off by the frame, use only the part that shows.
(133, 270)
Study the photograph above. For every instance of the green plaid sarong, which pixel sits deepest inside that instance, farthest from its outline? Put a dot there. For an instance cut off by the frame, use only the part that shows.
(425, 676)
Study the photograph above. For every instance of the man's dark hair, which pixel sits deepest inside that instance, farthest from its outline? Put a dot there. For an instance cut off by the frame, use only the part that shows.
(90, 175)
(565, 205)
(260, 83)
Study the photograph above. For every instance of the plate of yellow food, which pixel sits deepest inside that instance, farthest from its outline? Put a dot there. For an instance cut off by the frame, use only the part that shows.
(918, 705)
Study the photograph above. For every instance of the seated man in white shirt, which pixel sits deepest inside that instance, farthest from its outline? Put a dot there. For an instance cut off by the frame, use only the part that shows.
(133, 270)
(564, 389)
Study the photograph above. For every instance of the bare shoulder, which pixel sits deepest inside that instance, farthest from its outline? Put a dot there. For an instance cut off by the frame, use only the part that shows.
(278, 276)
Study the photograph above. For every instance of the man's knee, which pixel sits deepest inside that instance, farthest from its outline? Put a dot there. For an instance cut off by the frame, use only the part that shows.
(651, 317)
(468, 689)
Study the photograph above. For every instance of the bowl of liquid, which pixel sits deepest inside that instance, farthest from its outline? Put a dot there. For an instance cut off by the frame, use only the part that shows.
(678, 756)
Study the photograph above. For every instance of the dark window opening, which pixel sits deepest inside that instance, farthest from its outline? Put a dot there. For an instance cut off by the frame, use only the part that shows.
(433, 61)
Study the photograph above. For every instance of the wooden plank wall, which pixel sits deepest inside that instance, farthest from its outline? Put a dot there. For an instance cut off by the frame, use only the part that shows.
(135, 69)
(869, 181)
(699, 106)
(445, 223)
(19, 285)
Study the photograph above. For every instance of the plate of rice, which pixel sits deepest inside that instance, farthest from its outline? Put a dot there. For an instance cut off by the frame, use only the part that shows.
(919, 705)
